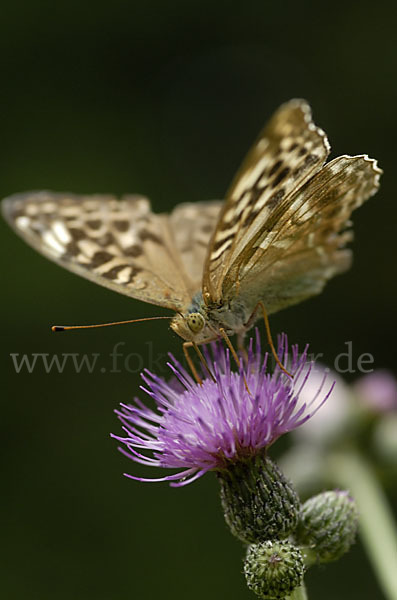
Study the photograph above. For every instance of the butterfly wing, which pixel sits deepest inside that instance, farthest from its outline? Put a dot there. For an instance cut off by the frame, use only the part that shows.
(293, 255)
(289, 151)
(192, 226)
(121, 245)
(281, 234)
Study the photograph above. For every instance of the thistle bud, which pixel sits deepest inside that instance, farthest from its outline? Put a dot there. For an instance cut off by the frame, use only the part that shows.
(328, 525)
(259, 503)
(274, 569)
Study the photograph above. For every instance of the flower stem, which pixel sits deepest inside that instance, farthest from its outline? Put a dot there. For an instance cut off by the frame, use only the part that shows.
(377, 527)
(298, 594)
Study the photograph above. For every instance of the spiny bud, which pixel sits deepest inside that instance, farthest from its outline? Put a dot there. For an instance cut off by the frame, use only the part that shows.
(258, 501)
(328, 525)
(274, 569)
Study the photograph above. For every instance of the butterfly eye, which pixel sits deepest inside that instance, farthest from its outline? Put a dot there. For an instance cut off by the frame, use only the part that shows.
(195, 322)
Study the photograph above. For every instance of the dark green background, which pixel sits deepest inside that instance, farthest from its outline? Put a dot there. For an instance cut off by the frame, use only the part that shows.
(164, 98)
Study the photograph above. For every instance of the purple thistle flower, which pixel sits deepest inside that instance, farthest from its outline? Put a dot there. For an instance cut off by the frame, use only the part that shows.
(197, 428)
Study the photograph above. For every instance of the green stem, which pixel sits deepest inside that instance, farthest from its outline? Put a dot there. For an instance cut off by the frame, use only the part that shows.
(298, 594)
(377, 526)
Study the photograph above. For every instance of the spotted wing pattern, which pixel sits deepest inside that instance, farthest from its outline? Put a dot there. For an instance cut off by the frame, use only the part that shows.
(120, 244)
(302, 245)
(290, 150)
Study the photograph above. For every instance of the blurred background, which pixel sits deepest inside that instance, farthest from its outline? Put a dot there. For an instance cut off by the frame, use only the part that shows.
(164, 99)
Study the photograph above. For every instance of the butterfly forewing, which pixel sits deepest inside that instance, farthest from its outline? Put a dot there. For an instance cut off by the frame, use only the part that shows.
(290, 150)
(120, 244)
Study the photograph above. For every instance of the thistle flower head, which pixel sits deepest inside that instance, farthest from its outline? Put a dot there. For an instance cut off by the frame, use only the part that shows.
(274, 569)
(327, 526)
(197, 428)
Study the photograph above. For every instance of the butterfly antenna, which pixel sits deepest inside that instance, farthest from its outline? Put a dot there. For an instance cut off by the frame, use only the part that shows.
(269, 339)
(67, 327)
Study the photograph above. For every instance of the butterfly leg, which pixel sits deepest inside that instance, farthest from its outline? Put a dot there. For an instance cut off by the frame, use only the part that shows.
(234, 354)
(261, 306)
(186, 346)
(241, 347)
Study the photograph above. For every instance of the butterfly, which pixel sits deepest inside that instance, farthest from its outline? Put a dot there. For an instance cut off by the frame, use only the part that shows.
(276, 239)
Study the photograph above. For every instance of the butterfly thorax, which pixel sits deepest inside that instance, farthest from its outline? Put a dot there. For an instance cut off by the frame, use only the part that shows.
(202, 322)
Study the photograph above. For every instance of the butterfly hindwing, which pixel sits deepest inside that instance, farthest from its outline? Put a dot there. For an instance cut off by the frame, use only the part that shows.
(192, 225)
(293, 259)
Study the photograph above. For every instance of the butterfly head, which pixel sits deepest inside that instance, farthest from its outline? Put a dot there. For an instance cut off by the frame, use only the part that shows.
(192, 327)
